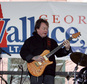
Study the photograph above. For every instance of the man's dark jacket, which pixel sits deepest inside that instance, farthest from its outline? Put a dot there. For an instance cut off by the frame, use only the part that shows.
(35, 45)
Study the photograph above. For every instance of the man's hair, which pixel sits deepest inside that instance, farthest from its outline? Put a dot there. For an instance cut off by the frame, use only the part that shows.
(38, 23)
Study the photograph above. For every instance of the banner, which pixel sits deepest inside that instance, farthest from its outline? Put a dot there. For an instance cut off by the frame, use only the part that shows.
(17, 20)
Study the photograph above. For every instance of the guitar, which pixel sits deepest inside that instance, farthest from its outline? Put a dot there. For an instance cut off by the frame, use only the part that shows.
(37, 68)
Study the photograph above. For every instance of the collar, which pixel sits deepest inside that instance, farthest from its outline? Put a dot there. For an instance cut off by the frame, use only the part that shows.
(38, 36)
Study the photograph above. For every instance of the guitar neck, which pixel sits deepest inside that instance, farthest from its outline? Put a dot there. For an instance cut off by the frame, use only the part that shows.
(57, 48)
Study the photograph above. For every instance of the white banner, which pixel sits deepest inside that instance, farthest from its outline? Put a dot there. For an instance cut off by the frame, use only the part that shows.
(17, 20)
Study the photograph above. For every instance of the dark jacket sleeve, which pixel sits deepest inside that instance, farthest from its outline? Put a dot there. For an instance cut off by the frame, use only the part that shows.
(25, 52)
(63, 52)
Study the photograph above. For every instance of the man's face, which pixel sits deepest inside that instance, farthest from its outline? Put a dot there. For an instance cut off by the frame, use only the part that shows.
(43, 30)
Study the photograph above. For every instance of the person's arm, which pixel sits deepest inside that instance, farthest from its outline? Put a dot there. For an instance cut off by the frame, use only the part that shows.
(25, 52)
(27, 55)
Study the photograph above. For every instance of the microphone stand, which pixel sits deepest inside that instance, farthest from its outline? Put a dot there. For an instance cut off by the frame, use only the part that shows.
(11, 79)
(75, 79)
(21, 67)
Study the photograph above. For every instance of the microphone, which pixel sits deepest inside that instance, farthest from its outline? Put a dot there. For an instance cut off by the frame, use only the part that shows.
(1, 50)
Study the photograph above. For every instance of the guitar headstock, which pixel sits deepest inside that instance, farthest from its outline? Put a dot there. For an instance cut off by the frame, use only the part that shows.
(76, 35)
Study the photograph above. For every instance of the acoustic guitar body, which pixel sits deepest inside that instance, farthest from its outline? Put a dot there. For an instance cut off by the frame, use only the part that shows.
(37, 68)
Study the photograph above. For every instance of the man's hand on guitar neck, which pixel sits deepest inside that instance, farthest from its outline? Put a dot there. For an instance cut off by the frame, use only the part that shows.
(38, 58)
(66, 43)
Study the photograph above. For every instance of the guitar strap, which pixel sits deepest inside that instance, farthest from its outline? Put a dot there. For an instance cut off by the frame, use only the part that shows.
(48, 43)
